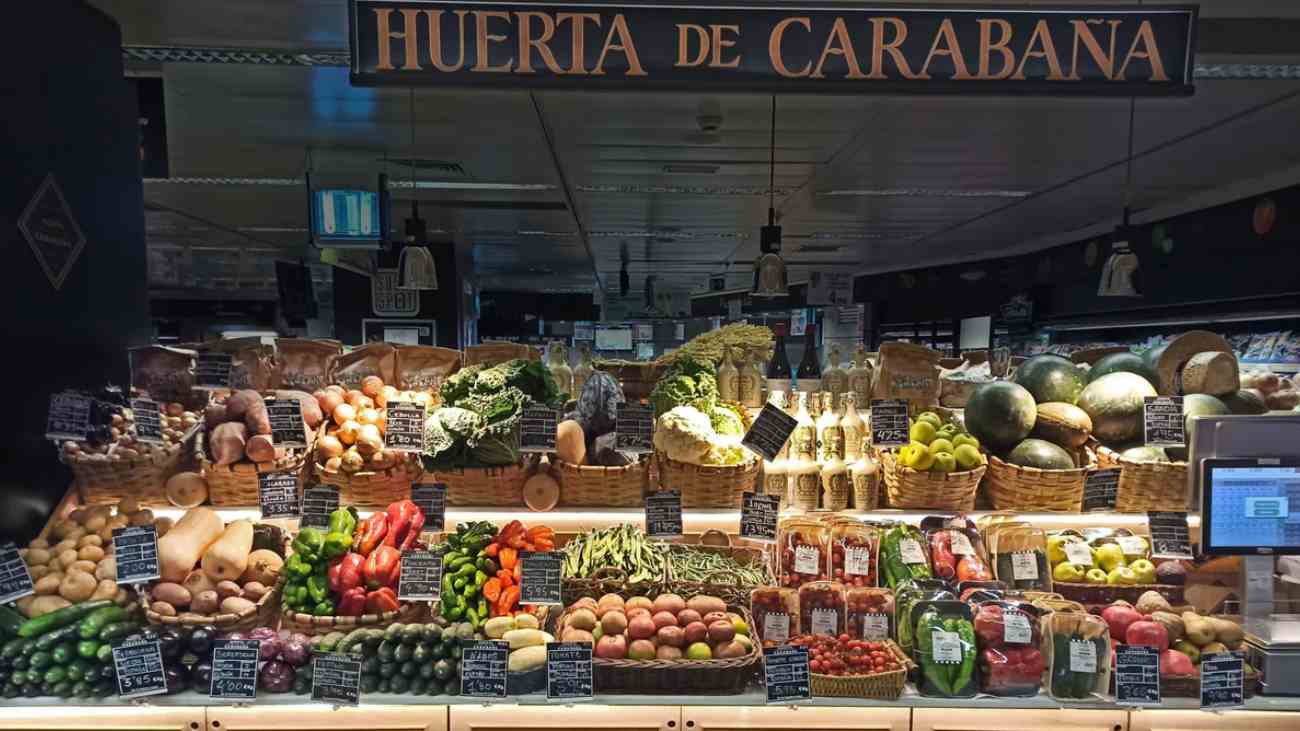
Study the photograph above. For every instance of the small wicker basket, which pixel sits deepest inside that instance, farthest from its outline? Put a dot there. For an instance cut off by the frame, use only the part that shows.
(608, 580)
(583, 486)
(724, 584)
(909, 489)
(881, 686)
(707, 486)
(310, 624)
(1145, 486)
(107, 479)
(490, 487)
(373, 489)
(235, 485)
(1012, 487)
(1104, 594)
(264, 613)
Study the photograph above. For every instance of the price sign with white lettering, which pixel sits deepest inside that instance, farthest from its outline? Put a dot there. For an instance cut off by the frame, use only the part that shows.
(1170, 536)
(1162, 421)
(336, 679)
(317, 504)
(421, 576)
(287, 426)
(786, 674)
(759, 515)
(431, 499)
(69, 417)
(139, 668)
(212, 371)
(1100, 488)
(889, 427)
(540, 573)
(1137, 675)
(277, 493)
(1222, 678)
(404, 426)
(537, 429)
(663, 514)
(634, 427)
(234, 670)
(148, 421)
(135, 548)
(568, 671)
(15, 579)
(769, 432)
(483, 669)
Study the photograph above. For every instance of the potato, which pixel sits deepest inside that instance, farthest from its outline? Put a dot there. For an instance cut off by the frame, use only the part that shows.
(54, 566)
(38, 571)
(118, 521)
(39, 543)
(63, 546)
(84, 566)
(172, 593)
(122, 597)
(74, 535)
(95, 523)
(89, 540)
(197, 581)
(62, 528)
(205, 602)
(68, 557)
(163, 608)
(90, 553)
(237, 605)
(45, 604)
(77, 586)
(37, 557)
(263, 567)
(255, 590)
(106, 569)
(79, 515)
(106, 535)
(141, 517)
(49, 584)
(227, 589)
(105, 589)
(127, 505)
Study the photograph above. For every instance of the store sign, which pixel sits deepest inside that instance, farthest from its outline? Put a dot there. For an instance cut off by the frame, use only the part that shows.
(387, 300)
(52, 232)
(830, 287)
(775, 47)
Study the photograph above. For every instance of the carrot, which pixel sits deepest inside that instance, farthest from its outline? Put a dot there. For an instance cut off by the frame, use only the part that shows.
(492, 589)
(509, 557)
(491, 550)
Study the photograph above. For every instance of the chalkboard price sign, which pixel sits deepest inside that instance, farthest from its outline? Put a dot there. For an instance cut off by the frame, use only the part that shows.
(483, 669)
(759, 515)
(139, 669)
(404, 427)
(212, 371)
(634, 427)
(15, 579)
(421, 576)
(287, 427)
(317, 504)
(568, 671)
(540, 573)
(1137, 675)
(148, 421)
(135, 547)
(1222, 677)
(1099, 489)
(769, 432)
(68, 417)
(234, 670)
(277, 493)
(1170, 536)
(663, 514)
(1162, 421)
(537, 429)
(785, 672)
(336, 679)
(431, 499)
(889, 427)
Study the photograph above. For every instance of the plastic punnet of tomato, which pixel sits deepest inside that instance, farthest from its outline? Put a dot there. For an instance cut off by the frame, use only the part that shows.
(803, 552)
(844, 655)
(853, 552)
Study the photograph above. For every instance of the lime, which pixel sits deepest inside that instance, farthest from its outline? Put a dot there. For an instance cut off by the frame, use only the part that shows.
(923, 431)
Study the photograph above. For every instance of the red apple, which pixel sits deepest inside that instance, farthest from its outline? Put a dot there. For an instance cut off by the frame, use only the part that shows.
(1146, 632)
(1118, 617)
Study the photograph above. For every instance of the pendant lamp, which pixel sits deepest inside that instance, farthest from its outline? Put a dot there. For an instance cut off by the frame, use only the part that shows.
(1120, 270)
(415, 267)
(769, 268)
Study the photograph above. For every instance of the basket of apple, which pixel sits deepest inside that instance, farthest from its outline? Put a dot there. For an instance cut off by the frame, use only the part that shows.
(1109, 568)
(665, 645)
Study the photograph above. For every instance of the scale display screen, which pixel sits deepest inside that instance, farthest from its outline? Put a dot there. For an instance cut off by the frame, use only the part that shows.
(346, 215)
(613, 338)
(1251, 506)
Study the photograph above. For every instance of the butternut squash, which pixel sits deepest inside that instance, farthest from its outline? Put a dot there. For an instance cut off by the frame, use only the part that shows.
(227, 557)
(185, 543)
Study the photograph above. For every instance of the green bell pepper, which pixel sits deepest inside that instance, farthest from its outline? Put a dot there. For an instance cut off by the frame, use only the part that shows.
(309, 543)
(343, 520)
(336, 544)
(324, 608)
(318, 587)
(297, 566)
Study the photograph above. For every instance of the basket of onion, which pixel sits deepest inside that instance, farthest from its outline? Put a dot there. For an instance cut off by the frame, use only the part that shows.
(350, 450)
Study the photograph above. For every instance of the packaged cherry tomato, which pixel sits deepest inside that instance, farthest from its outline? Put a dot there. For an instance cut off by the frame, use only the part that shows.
(870, 613)
(803, 552)
(822, 608)
(1008, 637)
(854, 547)
(776, 614)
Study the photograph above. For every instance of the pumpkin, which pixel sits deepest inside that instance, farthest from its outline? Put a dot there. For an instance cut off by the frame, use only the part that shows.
(186, 489)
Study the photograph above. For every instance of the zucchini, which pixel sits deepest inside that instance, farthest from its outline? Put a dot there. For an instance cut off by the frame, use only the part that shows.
(89, 649)
(48, 640)
(64, 653)
(394, 632)
(20, 663)
(62, 689)
(11, 690)
(97, 620)
(37, 626)
(18, 677)
(10, 620)
(80, 669)
(117, 631)
(356, 638)
(56, 674)
(83, 689)
(39, 660)
(370, 665)
(11, 649)
(408, 669)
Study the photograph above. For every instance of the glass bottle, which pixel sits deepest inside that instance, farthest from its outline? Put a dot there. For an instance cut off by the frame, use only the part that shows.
(803, 442)
(583, 370)
(860, 377)
(778, 368)
(809, 375)
(749, 380)
(728, 379)
(830, 435)
(556, 363)
(835, 379)
(853, 427)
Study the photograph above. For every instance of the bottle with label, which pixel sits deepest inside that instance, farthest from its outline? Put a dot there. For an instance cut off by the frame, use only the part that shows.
(803, 442)
(865, 475)
(776, 479)
(583, 370)
(778, 368)
(557, 364)
(728, 379)
(860, 376)
(745, 382)
(830, 435)
(808, 377)
(835, 379)
(751, 379)
(853, 428)
(805, 485)
(835, 485)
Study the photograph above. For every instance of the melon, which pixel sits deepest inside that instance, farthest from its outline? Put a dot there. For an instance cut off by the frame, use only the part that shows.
(1000, 414)
(1062, 424)
(1121, 363)
(1144, 454)
(1196, 404)
(1246, 401)
(1041, 454)
(1050, 378)
(1114, 403)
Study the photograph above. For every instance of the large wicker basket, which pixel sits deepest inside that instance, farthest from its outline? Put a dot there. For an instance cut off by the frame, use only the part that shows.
(583, 486)
(725, 585)
(489, 487)
(909, 489)
(707, 486)
(881, 686)
(1105, 594)
(235, 485)
(310, 624)
(608, 580)
(107, 479)
(1145, 486)
(373, 489)
(1012, 487)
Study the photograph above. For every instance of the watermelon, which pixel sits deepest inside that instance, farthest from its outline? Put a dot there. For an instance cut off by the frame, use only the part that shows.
(1196, 404)
(1114, 403)
(1050, 378)
(1122, 362)
(1000, 414)
(1246, 401)
(1144, 454)
(1041, 454)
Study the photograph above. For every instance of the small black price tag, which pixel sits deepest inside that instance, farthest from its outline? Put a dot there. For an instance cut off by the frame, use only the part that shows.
(634, 428)
(69, 417)
(139, 669)
(785, 672)
(568, 671)
(148, 421)
(277, 493)
(537, 429)
(889, 426)
(1137, 675)
(1222, 677)
(15, 579)
(287, 427)
(483, 668)
(336, 679)
(663, 514)
(759, 515)
(317, 504)
(135, 547)
(212, 371)
(1170, 536)
(1162, 421)
(431, 499)
(1099, 490)
(234, 670)
(539, 581)
(769, 432)
(404, 426)
(421, 577)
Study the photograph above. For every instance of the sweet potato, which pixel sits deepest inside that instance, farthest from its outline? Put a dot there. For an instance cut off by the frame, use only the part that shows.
(311, 412)
(260, 448)
(214, 416)
(227, 443)
(248, 406)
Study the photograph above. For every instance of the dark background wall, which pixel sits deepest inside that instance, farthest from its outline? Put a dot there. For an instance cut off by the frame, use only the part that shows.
(69, 111)
(352, 301)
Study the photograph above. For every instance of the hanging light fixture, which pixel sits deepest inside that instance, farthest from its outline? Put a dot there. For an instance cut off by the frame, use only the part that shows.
(1117, 274)
(415, 267)
(769, 268)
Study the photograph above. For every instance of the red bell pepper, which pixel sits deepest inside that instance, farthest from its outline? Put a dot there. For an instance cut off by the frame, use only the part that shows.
(405, 521)
(513, 535)
(370, 533)
(346, 572)
(383, 567)
(352, 603)
(381, 600)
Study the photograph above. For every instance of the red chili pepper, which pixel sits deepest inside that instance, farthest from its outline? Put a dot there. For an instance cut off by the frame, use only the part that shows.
(370, 533)
(509, 598)
(405, 520)
(383, 567)
(346, 572)
(381, 600)
(352, 603)
(941, 556)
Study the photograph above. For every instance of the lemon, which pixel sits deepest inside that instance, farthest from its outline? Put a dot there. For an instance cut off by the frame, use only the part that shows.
(923, 431)
(941, 446)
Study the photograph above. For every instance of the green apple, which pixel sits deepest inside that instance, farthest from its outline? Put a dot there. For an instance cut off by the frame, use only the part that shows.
(1056, 549)
(944, 462)
(968, 456)
(1067, 572)
(1109, 557)
(941, 446)
(931, 417)
(1095, 576)
(923, 432)
(961, 439)
(1145, 570)
(1121, 575)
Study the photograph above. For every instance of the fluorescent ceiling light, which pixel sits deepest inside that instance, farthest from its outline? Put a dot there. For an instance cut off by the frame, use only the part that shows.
(455, 185)
(681, 190)
(925, 193)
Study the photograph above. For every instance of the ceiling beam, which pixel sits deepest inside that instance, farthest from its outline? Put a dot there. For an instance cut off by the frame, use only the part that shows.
(565, 187)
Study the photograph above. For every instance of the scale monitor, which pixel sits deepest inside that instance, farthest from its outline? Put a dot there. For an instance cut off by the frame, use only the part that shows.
(613, 338)
(1250, 506)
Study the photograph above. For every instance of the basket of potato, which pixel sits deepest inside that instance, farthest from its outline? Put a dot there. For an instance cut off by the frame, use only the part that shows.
(113, 464)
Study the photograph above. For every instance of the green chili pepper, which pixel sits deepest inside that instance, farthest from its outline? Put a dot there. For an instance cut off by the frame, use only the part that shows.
(966, 670)
(467, 570)
(455, 613)
(480, 579)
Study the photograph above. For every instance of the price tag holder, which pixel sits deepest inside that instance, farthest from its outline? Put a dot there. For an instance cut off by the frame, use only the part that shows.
(15, 579)
(1162, 421)
(568, 671)
(1099, 490)
(1016, 629)
(234, 670)
(404, 426)
(910, 551)
(277, 493)
(786, 675)
(139, 669)
(946, 647)
(889, 427)
(539, 581)
(1137, 675)
(537, 429)
(759, 515)
(287, 426)
(1077, 552)
(421, 576)
(135, 548)
(212, 371)
(431, 499)
(68, 417)
(483, 668)
(634, 429)
(336, 679)
(1170, 537)
(148, 421)
(1222, 677)
(663, 514)
(875, 626)
(317, 504)
(769, 432)
(1024, 566)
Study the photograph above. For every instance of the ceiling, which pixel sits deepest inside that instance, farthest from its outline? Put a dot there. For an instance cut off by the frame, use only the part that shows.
(868, 183)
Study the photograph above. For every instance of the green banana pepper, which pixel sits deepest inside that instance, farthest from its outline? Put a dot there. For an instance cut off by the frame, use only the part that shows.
(466, 571)
(966, 670)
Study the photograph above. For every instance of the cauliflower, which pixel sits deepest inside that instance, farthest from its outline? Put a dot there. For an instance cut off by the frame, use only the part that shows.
(684, 434)
(726, 422)
(725, 450)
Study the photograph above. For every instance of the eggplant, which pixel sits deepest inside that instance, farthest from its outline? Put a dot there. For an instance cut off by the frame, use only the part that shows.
(201, 677)
(177, 679)
(172, 644)
(200, 641)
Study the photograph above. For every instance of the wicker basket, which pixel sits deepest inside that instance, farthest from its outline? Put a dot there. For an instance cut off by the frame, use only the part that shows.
(373, 489)
(724, 584)
(491, 487)
(1012, 487)
(1146, 486)
(582, 486)
(707, 486)
(1102, 594)
(909, 489)
(263, 614)
(310, 624)
(235, 485)
(881, 686)
(101, 479)
(1189, 686)
(607, 580)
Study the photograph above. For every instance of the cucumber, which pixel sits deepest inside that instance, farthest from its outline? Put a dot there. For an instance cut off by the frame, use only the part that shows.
(49, 640)
(39, 660)
(83, 689)
(11, 649)
(62, 689)
(100, 618)
(117, 631)
(37, 626)
(104, 653)
(64, 653)
(56, 674)
(80, 669)
(89, 649)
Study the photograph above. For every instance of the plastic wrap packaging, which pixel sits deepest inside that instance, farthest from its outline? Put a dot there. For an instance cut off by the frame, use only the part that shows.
(908, 595)
(903, 555)
(870, 613)
(822, 608)
(1077, 646)
(974, 592)
(1009, 638)
(803, 552)
(953, 557)
(854, 547)
(1019, 556)
(775, 611)
(945, 649)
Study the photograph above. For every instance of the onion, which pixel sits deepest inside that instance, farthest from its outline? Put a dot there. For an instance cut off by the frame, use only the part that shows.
(343, 413)
(349, 431)
(329, 447)
(372, 386)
